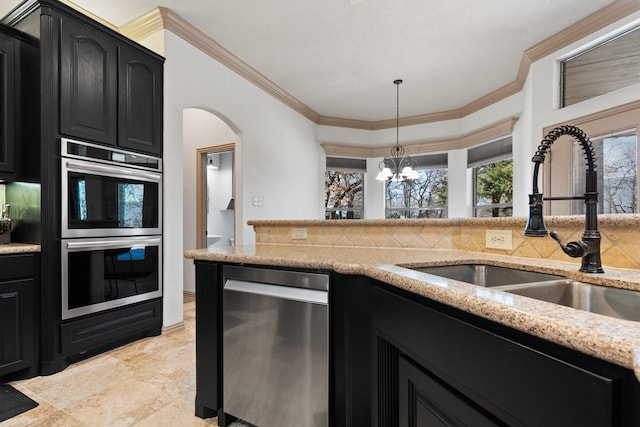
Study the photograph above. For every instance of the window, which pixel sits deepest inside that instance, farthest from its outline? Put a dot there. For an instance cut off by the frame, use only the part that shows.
(493, 189)
(425, 197)
(609, 66)
(344, 188)
(492, 167)
(617, 167)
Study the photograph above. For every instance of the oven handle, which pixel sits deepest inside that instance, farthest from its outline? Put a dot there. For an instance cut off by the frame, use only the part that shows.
(90, 167)
(106, 244)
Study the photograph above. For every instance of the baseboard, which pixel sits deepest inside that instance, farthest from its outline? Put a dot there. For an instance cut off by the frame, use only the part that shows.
(188, 296)
(172, 328)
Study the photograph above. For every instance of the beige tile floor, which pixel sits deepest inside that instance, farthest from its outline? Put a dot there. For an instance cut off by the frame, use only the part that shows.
(150, 382)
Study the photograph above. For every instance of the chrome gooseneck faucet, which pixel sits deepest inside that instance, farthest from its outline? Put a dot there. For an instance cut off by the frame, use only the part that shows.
(589, 247)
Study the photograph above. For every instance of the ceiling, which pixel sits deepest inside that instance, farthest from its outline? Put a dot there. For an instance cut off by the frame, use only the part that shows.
(340, 57)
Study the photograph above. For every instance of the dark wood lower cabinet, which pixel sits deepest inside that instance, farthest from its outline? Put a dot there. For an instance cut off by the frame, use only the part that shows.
(455, 369)
(95, 333)
(17, 325)
(426, 401)
(18, 330)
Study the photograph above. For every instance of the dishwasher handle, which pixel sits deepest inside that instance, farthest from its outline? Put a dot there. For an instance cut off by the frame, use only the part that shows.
(284, 292)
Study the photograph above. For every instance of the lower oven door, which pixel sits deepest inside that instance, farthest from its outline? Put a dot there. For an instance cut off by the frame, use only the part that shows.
(100, 274)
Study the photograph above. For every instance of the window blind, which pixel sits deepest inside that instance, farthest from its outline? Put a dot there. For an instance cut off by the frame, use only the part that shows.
(489, 153)
(346, 164)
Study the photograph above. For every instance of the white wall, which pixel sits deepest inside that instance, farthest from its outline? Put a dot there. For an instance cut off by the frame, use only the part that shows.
(277, 158)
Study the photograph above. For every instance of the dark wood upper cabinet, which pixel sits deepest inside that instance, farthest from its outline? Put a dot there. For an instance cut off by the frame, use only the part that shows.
(110, 92)
(18, 122)
(7, 100)
(88, 84)
(140, 102)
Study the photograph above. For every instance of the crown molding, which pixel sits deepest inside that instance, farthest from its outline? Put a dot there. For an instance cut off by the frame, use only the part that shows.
(475, 137)
(145, 25)
(164, 18)
(183, 29)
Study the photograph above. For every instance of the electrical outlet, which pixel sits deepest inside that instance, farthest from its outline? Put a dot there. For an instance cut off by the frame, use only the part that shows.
(298, 233)
(499, 239)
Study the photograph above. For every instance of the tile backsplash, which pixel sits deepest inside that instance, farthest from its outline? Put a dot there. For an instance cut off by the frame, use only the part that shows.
(620, 245)
(24, 199)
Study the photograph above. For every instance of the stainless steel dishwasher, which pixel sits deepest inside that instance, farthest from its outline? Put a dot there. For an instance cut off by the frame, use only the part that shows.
(275, 347)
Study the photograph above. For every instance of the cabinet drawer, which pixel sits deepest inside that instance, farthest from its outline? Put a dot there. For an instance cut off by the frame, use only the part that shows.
(16, 266)
(118, 325)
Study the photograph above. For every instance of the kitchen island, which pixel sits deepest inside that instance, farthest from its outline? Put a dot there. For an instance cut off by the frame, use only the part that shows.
(407, 346)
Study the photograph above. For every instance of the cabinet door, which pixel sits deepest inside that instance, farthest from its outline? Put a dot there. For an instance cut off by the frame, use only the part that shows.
(7, 98)
(140, 102)
(424, 401)
(88, 84)
(17, 325)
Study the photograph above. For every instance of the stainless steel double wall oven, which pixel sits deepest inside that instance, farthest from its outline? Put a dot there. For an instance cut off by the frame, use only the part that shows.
(111, 231)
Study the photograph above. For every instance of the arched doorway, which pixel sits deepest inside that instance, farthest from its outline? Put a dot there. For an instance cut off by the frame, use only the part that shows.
(206, 134)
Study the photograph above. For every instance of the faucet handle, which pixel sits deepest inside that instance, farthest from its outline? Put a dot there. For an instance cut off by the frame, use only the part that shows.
(573, 249)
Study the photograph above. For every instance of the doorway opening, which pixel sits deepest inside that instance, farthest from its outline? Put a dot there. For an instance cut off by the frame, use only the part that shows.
(215, 203)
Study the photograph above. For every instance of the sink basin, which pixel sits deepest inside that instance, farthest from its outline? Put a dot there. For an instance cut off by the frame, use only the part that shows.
(613, 302)
(487, 275)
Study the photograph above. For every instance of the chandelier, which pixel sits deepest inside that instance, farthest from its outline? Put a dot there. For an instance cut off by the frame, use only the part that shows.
(397, 167)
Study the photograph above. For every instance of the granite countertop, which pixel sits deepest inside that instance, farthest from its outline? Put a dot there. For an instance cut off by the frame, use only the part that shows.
(18, 248)
(614, 340)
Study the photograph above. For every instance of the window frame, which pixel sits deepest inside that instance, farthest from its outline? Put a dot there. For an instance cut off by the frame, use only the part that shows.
(345, 165)
(599, 80)
(483, 154)
(435, 161)
(475, 205)
(596, 125)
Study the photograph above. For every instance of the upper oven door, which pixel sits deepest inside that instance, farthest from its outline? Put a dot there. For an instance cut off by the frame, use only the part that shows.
(100, 199)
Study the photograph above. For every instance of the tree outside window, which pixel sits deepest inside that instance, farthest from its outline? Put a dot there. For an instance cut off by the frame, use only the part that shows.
(494, 189)
(617, 173)
(425, 197)
(344, 194)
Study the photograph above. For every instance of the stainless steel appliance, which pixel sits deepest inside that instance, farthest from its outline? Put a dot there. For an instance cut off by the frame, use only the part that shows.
(275, 347)
(100, 274)
(109, 192)
(111, 231)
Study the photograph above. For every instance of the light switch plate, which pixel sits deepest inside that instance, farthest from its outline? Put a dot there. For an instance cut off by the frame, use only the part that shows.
(499, 239)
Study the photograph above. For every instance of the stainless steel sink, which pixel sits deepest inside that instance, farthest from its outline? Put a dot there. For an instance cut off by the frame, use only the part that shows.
(613, 302)
(486, 275)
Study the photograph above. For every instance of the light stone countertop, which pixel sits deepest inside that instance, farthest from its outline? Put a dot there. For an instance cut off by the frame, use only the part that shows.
(18, 248)
(614, 340)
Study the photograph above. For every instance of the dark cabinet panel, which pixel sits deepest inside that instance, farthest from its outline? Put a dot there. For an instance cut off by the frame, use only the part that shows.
(91, 334)
(502, 378)
(140, 102)
(425, 401)
(17, 313)
(7, 102)
(208, 348)
(88, 83)
(16, 332)
(110, 92)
